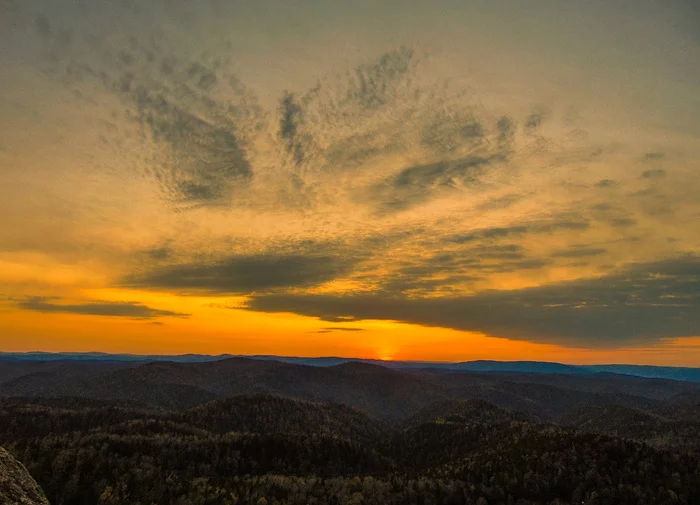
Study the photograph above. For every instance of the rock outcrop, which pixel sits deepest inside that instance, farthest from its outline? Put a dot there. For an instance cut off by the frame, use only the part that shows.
(17, 487)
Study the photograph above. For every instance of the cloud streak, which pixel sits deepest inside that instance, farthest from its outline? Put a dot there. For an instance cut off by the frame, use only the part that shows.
(246, 273)
(131, 310)
(643, 303)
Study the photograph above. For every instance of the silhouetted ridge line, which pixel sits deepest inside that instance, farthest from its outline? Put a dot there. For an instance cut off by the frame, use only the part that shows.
(650, 371)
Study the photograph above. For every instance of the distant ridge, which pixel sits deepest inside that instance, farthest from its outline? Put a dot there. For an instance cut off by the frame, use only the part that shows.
(103, 356)
(649, 371)
(518, 366)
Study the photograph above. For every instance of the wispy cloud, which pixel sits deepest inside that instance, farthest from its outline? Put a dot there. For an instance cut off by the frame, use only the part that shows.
(332, 329)
(133, 310)
(250, 273)
(178, 150)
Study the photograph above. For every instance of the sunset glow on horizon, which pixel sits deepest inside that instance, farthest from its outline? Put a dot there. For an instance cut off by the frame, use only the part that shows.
(352, 179)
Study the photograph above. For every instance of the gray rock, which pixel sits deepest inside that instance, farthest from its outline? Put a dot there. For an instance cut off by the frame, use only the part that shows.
(17, 487)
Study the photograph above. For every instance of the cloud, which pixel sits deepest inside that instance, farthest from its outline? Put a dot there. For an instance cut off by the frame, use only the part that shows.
(448, 132)
(643, 303)
(623, 222)
(545, 226)
(195, 115)
(209, 162)
(653, 174)
(416, 184)
(160, 253)
(246, 273)
(579, 252)
(331, 329)
(499, 252)
(537, 118)
(374, 85)
(446, 271)
(97, 308)
(502, 202)
(607, 183)
(291, 116)
(213, 145)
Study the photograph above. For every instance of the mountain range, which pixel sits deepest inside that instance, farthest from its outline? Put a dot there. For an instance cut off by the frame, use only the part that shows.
(387, 393)
(117, 430)
(650, 371)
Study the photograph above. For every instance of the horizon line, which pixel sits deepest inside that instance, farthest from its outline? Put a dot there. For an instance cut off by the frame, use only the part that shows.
(353, 358)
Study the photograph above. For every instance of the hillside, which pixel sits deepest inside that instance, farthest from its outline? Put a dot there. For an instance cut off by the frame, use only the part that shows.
(374, 389)
(251, 431)
(381, 392)
(261, 413)
(256, 449)
(662, 428)
(465, 412)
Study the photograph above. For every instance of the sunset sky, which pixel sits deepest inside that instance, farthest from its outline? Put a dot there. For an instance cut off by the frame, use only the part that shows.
(445, 180)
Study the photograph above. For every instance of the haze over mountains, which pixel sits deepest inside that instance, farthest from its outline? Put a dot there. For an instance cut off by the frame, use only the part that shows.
(389, 392)
(664, 372)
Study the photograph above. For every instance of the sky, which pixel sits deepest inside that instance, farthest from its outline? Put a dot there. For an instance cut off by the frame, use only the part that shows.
(445, 180)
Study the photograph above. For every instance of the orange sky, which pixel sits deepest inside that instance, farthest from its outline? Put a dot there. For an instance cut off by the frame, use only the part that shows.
(445, 183)
(216, 330)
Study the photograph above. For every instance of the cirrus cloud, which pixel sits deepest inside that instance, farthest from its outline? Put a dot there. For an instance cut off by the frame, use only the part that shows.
(132, 310)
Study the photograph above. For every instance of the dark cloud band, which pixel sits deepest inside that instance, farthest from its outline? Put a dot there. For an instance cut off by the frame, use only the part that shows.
(97, 308)
(246, 273)
(644, 303)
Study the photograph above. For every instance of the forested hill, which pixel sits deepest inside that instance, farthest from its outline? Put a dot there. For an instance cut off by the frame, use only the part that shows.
(387, 394)
(246, 431)
(262, 449)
